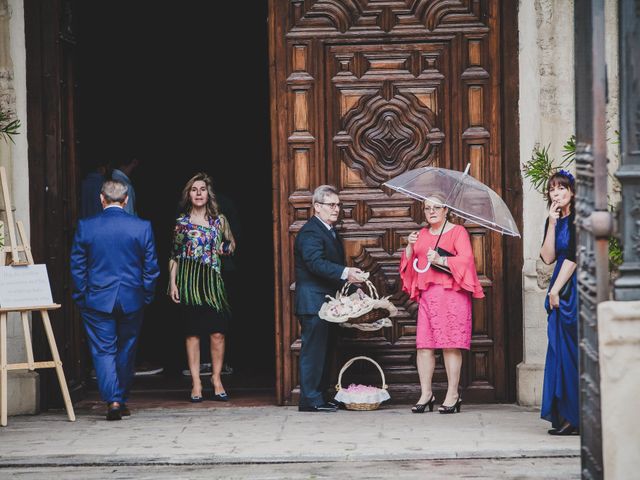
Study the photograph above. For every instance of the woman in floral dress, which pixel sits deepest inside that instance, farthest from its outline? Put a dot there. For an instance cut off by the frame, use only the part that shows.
(200, 237)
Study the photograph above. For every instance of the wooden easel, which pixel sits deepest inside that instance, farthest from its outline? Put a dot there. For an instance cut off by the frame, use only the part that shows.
(16, 248)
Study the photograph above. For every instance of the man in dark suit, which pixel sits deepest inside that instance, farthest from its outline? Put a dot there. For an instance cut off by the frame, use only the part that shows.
(114, 269)
(320, 271)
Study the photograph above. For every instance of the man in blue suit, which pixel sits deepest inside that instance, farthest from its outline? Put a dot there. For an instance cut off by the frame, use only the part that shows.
(114, 268)
(320, 271)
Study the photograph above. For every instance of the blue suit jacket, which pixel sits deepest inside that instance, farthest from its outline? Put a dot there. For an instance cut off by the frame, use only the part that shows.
(319, 263)
(113, 258)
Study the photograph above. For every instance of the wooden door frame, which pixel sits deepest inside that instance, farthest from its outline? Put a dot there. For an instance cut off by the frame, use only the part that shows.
(512, 188)
(512, 180)
(51, 85)
(277, 205)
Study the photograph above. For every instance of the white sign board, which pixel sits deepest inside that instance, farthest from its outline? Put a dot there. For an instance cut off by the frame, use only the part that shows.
(24, 286)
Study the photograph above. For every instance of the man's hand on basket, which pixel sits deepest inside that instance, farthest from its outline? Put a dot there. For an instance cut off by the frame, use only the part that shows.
(355, 275)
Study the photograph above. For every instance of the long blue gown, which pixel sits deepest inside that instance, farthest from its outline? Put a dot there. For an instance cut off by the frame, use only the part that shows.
(560, 395)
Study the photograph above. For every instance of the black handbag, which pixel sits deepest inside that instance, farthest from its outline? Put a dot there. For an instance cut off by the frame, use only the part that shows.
(443, 253)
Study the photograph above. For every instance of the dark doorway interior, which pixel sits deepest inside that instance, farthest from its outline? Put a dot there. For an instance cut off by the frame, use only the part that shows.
(168, 85)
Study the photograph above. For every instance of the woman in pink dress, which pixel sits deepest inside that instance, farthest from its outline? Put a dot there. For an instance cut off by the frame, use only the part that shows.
(443, 294)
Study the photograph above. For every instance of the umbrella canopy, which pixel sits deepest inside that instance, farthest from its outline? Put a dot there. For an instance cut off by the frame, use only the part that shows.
(465, 196)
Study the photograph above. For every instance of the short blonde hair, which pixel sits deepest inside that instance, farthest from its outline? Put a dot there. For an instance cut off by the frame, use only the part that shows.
(438, 198)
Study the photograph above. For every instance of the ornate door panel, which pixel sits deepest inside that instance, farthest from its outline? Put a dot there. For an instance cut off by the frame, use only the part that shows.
(361, 92)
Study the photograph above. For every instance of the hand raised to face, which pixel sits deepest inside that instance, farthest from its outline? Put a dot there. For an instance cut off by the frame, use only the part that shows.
(554, 213)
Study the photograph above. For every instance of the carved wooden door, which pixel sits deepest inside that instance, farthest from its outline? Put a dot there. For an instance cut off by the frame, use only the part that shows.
(52, 111)
(363, 90)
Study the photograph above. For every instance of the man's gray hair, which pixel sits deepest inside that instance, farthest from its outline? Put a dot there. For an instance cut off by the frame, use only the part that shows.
(114, 191)
(321, 193)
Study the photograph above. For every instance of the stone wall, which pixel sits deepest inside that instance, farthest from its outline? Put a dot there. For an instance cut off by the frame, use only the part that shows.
(22, 385)
(546, 118)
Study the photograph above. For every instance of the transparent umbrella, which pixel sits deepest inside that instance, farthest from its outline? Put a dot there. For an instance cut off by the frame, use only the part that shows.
(465, 196)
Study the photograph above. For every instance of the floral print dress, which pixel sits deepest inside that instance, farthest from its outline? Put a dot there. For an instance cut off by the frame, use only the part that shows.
(195, 250)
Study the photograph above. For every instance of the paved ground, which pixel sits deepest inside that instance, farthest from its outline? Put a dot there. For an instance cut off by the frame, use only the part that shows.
(522, 468)
(227, 441)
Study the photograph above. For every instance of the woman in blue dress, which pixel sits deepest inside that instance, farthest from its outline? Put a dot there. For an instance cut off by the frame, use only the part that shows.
(560, 398)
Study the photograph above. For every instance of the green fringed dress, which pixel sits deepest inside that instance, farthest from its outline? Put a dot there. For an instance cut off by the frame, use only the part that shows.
(203, 301)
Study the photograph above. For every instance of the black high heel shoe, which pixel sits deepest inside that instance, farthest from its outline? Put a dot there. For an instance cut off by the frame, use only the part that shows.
(451, 409)
(566, 429)
(195, 398)
(220, 397)
(419, 407)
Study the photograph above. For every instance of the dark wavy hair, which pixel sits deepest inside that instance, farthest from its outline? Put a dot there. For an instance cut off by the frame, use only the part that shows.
(212, 204)
(565, 180)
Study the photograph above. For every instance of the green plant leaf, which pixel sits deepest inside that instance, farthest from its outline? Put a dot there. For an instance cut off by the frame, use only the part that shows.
(615, 253)
(569, 149)
(539, 168)
(8, 126)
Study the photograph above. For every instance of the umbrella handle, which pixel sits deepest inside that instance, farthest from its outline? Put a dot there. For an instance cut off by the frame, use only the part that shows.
(415, 266)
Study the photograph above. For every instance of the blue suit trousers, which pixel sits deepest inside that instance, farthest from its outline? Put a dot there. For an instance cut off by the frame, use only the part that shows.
(113, 339)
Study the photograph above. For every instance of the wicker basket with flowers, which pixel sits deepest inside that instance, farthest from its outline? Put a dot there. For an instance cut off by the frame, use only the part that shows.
(361, 397)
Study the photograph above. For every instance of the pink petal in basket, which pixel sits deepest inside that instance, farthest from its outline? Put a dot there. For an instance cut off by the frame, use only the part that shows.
(359, 388)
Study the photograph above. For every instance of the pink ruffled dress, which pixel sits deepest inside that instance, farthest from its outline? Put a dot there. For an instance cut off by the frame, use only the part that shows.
(444, 300)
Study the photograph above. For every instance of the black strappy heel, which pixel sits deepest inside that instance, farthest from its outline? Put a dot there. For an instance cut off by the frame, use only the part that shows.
(451, 409)
(420, 407)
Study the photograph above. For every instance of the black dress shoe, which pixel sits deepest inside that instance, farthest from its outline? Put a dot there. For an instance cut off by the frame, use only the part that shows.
(220, 397)
(114, 412)
(325, 407)
(124, 410)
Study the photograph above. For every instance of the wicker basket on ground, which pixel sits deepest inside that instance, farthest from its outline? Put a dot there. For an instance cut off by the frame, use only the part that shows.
(361, 397)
